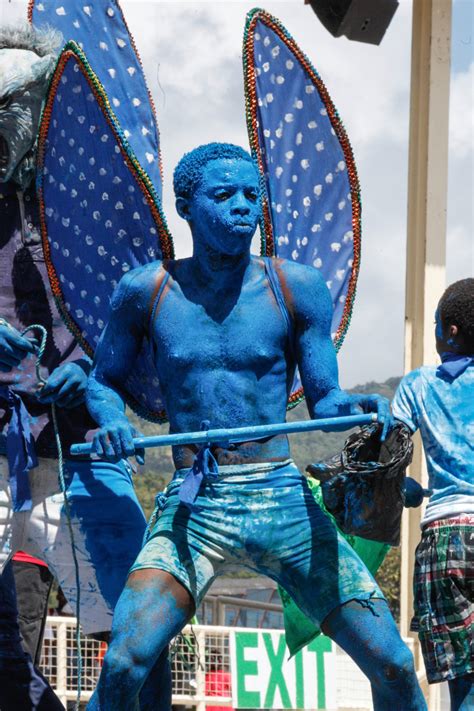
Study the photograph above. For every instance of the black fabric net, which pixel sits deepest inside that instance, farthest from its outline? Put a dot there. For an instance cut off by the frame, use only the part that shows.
(363, 486)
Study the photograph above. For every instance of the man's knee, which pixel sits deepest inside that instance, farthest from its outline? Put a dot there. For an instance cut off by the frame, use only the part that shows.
(119, 662)
(399, 667)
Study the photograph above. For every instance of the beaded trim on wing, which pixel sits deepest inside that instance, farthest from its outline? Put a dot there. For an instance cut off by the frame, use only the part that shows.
(251, 114)
(31, 5)
(267, 243)
(73, 51)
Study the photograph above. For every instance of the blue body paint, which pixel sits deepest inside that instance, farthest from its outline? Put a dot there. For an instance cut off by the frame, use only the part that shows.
(222, 354)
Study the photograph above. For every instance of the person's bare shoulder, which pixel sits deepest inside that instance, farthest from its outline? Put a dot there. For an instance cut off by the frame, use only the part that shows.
(136, 289)
(304, 289)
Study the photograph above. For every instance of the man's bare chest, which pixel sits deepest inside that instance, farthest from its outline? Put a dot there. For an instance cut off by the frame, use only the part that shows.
(248, 334)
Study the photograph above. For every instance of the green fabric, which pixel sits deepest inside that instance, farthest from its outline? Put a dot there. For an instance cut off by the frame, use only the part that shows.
(299, 629)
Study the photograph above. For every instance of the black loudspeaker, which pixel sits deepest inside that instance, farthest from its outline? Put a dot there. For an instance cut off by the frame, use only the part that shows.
(360, 20)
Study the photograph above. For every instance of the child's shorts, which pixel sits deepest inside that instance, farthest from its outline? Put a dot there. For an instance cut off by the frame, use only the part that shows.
(444, 597)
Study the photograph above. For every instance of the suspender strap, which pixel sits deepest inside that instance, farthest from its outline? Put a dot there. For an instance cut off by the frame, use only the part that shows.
(158, 295)
(275, 285)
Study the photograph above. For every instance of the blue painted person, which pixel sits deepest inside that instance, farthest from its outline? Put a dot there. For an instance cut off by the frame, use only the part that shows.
(439, 401)
(228, 330)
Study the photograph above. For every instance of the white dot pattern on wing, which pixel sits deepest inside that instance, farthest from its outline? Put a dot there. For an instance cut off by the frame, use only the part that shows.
(306, 172)
(100, 30)
(98, 221)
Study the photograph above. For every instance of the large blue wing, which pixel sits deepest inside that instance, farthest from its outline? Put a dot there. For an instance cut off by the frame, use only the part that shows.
(100, 213)
(99, 28)
(311, 198)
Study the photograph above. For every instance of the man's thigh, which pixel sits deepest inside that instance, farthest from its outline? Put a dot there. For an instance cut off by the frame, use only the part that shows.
(312, 561)
(152, 609)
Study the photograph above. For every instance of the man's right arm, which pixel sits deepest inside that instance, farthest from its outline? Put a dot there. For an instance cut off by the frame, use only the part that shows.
(115, 354)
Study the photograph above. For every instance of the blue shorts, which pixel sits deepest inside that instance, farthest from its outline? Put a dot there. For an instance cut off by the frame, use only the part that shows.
(108, 525)
(263, 517)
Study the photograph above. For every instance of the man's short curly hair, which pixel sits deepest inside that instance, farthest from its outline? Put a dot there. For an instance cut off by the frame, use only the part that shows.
(188, 172)
(456, 307)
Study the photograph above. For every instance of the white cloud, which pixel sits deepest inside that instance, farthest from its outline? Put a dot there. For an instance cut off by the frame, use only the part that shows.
(461, 115)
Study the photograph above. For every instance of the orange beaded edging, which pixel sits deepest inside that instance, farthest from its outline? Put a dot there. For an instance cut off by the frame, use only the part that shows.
(268, 246)
(73, 52)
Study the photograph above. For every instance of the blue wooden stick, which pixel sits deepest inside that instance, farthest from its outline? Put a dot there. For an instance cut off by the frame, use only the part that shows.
(243, 434)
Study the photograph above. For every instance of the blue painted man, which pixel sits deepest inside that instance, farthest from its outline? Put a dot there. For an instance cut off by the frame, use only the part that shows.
(439, 401)
(228, 330)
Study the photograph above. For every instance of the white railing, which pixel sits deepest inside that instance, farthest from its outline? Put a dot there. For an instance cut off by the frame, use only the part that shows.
(197, 652)
(201, 667)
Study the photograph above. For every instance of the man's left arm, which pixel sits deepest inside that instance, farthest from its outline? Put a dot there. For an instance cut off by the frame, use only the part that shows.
(315, 352)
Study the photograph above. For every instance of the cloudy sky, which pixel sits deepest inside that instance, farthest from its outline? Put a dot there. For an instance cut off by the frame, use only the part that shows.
(191, 52)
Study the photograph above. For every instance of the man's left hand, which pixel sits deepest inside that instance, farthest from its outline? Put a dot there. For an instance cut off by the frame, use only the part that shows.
(66, 386)
(375, 403)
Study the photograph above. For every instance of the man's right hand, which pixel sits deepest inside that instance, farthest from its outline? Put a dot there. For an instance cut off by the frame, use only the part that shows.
(13, 348)
(116, 442)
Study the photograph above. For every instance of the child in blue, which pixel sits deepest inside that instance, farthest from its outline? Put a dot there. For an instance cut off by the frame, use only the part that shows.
(439, 401)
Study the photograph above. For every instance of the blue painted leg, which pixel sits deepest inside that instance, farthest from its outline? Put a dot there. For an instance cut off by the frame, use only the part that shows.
(369, 635)
(152, 609)
(156, 692)
(461, 692)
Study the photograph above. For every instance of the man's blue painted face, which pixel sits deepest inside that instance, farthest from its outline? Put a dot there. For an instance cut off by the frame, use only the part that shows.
(225, 208)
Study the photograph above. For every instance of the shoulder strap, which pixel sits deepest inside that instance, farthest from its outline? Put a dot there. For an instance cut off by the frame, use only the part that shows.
(161, 282)
(274, 281)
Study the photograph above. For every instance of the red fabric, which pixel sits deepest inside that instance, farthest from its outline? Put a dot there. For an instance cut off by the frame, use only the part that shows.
(25, 558)
(218, 683)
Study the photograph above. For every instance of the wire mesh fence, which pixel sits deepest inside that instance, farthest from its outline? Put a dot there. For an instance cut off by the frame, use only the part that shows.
(200, 662)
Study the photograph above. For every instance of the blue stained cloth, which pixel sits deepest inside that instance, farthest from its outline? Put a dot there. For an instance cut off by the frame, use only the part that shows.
(453, 365)
(204, 466)
(99, 222)
(100, 28)
(272, 525)
(443, 410)
(21, 452)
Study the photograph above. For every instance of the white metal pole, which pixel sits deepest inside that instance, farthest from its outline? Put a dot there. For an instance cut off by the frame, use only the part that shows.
(426, 228)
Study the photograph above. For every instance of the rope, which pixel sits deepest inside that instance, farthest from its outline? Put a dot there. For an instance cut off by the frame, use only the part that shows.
(67, 507)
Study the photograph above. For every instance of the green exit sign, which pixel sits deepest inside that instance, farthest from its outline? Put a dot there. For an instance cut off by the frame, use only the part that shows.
(263, 676)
